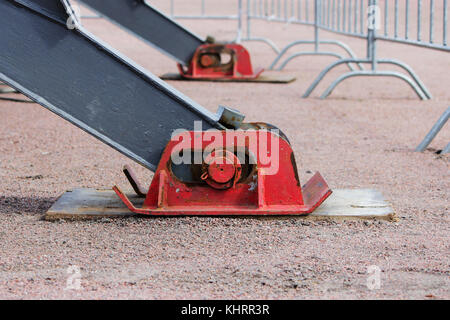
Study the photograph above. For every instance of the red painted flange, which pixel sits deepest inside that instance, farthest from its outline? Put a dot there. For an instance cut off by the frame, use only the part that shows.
(264, 188)
(207, 63)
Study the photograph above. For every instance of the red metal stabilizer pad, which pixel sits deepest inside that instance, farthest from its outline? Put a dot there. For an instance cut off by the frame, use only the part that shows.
(236, 173)
(220, 61)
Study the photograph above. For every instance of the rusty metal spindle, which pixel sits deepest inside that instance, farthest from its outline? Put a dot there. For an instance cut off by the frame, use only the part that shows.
(328, 13)
(285, 11)
(292, 9)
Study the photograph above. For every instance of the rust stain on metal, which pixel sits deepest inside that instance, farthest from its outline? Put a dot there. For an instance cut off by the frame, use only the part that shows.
(294, 165)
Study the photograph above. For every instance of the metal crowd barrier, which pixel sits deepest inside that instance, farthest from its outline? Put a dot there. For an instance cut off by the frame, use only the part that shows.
(304, 12)
(362, 19)
(203, 14)
(414, 22)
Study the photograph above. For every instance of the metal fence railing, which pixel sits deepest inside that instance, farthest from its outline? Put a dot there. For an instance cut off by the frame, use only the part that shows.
(202, 14)
(428, 29)
(304, 12)
(344, 25)
(235, 13)
(413, 22)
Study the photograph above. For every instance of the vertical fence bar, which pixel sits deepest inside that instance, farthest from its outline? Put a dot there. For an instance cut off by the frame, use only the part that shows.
(307, 10)
(396, 19)
(292, 9)
(369, 33)
(407, 20)
(171, 8)
(349, 28)
(203, 7)
(419, 20)
(372, 37)
(361, 16)
(339, 15)
(374, 46)
(431, 21)
(249, 16)
(386, 17)
(444, 35)
(344, 16)
(240, 14)
(316, 26)
(299, 10)
(323, 14)
(355, 26)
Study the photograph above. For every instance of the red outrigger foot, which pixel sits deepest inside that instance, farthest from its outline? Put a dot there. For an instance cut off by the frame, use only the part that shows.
(316, 187)
(220, 62)
(229, 187)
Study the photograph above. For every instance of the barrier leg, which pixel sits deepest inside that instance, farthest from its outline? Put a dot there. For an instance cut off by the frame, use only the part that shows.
(317, 52)
(408, 80)
(413, 80)
(434, 131)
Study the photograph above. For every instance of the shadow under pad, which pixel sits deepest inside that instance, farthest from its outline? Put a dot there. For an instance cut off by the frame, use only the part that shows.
(265, 77)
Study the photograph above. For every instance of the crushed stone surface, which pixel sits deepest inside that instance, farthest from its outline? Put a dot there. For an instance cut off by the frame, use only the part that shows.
(362, 136)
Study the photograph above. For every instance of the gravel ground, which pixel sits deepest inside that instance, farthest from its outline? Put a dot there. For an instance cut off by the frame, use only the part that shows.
(363, 136)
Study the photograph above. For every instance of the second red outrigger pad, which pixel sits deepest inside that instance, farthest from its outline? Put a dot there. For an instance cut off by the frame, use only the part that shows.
(212, 61)
(239, 173)
(225, 62)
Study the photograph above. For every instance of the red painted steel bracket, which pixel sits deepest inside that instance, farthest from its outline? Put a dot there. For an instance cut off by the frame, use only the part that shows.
(208, 63)
(228, 184)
